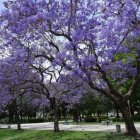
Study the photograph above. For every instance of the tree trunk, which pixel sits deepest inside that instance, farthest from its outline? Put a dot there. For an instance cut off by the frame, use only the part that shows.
(56, 118)
(11, 117)
(130, 127)
(75, 117)
(117, 112)
(19, 126)
(18, 121)
(21, 115)
(17, 118)
(80, 118)
(97, 116)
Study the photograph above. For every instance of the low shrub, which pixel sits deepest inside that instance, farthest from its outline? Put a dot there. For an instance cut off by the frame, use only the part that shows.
(90, 119)
(36, 120)
(94, 119)
(103, 118)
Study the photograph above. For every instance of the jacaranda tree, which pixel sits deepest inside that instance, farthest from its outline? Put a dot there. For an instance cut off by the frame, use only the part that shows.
(84, 37)
(15, 85)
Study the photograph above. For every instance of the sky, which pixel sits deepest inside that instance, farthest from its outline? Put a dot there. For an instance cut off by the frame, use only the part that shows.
(1, 4)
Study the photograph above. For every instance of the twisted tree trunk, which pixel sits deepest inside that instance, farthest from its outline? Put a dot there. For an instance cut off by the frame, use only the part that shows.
(130, 127)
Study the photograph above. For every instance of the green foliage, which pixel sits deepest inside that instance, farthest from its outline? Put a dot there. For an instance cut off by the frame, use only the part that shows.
(103, 118)
(50, 119)
(37, 120)
(90, 104)
(93, 104)
(131, 54)
(94, 118)
(123, 89)
(117, 119)
(34, 120)
(125, 58)
(6, 134)
(90, 119)
(135, 100)
(4, 120)
(137, 117)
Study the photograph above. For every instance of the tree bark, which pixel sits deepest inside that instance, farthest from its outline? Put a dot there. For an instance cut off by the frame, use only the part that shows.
(117, 112)
(17, 118)
(56, 118)
(97, 116)
(18, 121)
(75, 117)
(19, 125)
(11, 117)
(130, 127)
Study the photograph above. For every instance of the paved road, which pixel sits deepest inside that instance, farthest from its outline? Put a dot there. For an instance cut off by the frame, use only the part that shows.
(70, 127)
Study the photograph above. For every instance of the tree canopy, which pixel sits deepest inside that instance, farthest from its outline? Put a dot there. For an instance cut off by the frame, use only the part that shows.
(79, 38)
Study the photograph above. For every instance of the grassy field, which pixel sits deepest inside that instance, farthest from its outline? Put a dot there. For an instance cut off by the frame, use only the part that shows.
(7, 134)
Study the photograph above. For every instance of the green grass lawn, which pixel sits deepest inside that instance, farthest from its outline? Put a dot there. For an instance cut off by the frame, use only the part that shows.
(7, 134)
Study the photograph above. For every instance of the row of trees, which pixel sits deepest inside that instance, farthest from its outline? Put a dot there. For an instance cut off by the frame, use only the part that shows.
(90, 106)
(60, 48)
